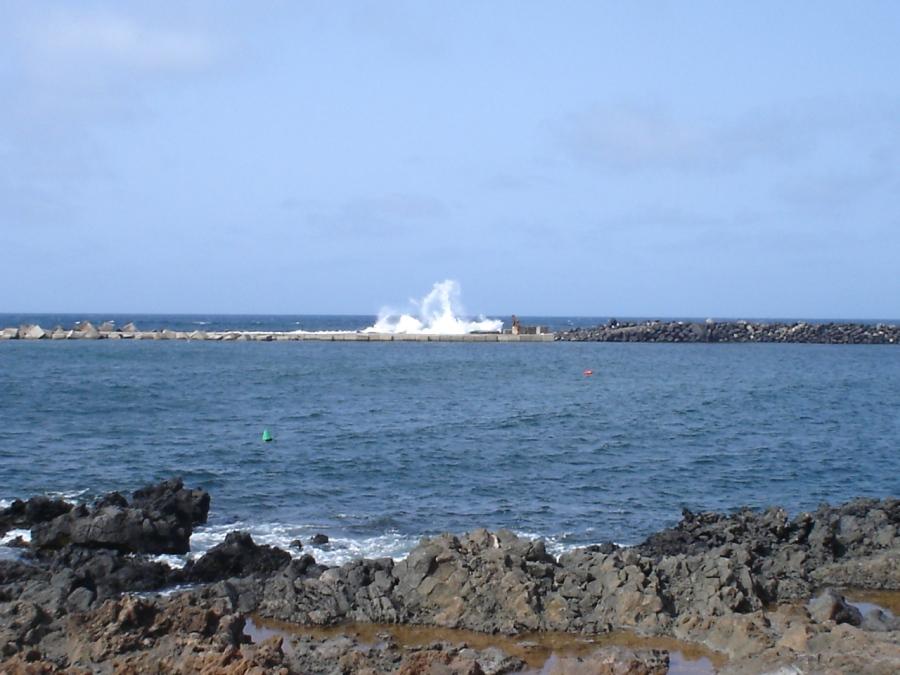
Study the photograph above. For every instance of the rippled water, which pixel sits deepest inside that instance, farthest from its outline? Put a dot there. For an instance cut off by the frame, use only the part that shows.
(380, 443)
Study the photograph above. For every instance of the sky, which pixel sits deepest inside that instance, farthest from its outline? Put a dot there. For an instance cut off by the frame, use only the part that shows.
(671, 159)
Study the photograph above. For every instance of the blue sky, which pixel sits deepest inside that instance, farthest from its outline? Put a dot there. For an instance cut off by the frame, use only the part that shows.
(627, 159)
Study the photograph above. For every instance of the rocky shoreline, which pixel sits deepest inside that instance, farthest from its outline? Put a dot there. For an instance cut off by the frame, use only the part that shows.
(736, 331)
(760, 589)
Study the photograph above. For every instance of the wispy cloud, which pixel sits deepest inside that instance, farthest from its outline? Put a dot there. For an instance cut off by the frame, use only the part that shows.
(67, 40)
(627, 138)
(630, 137)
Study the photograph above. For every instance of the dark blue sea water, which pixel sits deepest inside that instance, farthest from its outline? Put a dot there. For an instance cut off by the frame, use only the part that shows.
(378, 444)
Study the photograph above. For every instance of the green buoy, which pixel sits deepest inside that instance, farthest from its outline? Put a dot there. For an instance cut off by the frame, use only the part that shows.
(266, 436)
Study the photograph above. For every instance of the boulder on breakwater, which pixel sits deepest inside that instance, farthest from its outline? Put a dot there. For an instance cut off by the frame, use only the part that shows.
(735, 331)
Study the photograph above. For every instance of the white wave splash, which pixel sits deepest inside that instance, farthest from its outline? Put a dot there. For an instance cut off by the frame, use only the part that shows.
(559, 544)
(438, 313)
(69, 495)
(337, 551)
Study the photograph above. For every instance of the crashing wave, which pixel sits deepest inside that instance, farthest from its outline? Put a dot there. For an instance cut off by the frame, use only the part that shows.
(438, 313)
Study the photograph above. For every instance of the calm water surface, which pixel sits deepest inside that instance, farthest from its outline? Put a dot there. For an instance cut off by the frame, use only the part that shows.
(377, 444)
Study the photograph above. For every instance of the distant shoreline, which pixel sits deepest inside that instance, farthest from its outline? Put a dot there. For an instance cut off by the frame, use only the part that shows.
(709, 331)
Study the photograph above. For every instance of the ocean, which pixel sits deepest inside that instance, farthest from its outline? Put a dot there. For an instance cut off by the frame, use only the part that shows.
(379, 444)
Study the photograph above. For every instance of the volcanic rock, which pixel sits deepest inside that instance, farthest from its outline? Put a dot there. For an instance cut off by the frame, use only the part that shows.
(172, 498)
(39, 509)
(159, 520)
(237, 556)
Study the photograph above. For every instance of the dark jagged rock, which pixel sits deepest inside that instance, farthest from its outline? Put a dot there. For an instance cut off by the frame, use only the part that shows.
(26, 514)
(717, 580)
(75, 579)
(319, 539)
(237, 556)
(111, 499)
(125, 530)
(788, 558)
(159, 519)
(172, 498)
(108, 573)
(710, 564)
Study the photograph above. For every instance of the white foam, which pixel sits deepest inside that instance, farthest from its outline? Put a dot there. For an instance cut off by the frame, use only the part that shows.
(557, 545)
(69, 495)
(170, 559)
(337, 551)
(554, 544)
(438, 313)
(164, 592)
(341, 550)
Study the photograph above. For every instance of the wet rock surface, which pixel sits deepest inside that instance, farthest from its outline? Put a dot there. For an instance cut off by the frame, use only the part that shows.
(735, 331)
(758, 587)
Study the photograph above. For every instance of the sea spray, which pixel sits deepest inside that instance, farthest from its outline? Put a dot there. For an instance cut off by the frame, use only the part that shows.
(438, 313)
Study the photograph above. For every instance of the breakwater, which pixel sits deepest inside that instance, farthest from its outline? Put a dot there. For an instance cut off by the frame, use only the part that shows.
(736, 331)
(708, 331)
(84, 330)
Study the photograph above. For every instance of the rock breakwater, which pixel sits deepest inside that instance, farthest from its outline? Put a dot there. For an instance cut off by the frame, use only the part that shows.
(748, 585)
(736, 331)
(84, 330)
(614, 331)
